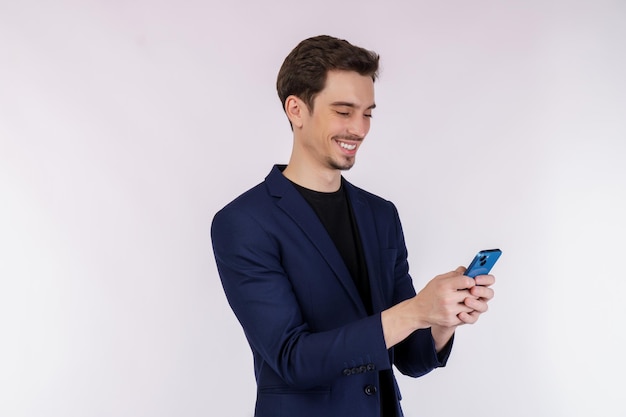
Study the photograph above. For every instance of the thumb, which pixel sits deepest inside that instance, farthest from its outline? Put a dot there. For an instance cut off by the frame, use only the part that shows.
(460, 270)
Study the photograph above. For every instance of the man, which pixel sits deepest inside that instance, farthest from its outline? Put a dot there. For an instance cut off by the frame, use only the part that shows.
(316, 269)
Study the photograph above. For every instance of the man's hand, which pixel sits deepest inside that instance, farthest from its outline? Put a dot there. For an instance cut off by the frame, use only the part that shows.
(479, 296)
(447, 301)
(442, 300)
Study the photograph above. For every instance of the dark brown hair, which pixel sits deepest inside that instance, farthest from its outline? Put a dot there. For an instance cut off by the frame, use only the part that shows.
(304, 71)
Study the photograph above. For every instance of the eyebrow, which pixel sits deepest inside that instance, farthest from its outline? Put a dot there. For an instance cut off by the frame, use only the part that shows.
(352, 105)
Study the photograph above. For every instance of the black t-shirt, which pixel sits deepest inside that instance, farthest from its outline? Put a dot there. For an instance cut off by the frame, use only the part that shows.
(335, 213)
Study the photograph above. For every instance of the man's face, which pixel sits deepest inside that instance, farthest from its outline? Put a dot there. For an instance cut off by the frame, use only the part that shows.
(339, 121)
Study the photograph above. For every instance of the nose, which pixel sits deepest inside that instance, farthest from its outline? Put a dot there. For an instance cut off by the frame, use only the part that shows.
(359, 126)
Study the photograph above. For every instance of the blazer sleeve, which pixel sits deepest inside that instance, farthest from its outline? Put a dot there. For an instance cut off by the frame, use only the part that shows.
(260, 293)
(416, 355)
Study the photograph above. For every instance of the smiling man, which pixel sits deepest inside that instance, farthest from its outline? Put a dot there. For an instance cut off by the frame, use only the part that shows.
(316, 270)
(327, 140)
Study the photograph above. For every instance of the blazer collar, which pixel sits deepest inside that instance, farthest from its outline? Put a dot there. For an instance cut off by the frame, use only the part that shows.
(296, 207)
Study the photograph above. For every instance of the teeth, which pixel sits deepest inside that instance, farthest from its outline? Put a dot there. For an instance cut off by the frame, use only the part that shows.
(347, 146)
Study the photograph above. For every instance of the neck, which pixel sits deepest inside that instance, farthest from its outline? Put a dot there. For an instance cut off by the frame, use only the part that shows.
(314, 178)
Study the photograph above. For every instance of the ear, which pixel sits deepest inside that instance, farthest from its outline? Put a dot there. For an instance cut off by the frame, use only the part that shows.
(295, 110)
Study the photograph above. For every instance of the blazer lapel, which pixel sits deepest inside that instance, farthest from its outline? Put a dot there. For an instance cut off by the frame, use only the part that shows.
(365, 220)
(296, 207)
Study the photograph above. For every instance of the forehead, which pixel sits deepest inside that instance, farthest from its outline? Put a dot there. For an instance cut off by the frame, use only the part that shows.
(348, 86)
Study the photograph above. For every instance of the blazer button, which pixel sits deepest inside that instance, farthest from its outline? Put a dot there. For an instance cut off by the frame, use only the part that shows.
(370, 390)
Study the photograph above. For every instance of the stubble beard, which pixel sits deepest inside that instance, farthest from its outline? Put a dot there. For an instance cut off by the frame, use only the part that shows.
(345, 166)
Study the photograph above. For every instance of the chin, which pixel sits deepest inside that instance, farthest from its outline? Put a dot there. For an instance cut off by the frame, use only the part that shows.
(341, 163)
(342, 167)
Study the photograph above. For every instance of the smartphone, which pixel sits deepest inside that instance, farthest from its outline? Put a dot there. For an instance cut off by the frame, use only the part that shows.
(483, 262)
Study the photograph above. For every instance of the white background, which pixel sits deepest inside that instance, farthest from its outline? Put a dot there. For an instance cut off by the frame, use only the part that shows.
(125, 125)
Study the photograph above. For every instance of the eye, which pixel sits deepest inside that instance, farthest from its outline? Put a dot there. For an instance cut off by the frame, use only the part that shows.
(369, 116)
(341, 113)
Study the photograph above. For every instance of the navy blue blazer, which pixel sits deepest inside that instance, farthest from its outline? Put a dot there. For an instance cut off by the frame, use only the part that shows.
(316, 351)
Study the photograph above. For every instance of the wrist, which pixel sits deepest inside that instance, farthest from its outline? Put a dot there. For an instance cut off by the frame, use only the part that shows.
(400, 321)
(441, 336)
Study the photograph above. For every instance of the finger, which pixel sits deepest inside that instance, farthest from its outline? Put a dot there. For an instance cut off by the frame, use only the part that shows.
(460, 270)
(477, 305)
(465, 307)
(463, 282)
(468, 318)
(460, 296)
(482, 292)
(485, 280)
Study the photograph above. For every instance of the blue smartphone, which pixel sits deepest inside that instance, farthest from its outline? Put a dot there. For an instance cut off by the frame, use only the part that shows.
(483, 262)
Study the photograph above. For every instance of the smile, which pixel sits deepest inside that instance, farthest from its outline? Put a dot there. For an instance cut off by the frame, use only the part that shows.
(348, 146)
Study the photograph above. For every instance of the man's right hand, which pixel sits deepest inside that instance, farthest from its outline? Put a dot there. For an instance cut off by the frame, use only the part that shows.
(447, 301)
